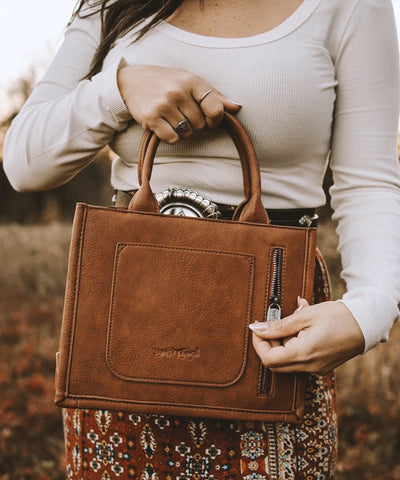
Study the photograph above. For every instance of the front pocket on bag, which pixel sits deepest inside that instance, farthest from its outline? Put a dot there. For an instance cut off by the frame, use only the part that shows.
(154, 337)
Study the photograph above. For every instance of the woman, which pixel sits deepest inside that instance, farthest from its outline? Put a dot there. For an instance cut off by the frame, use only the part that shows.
(307, 79)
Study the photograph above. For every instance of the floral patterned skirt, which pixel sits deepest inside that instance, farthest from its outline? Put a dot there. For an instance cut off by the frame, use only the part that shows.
(103, 445)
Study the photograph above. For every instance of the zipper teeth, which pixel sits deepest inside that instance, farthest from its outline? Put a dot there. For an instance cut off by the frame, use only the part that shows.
(275, 296)
(265, 384)
(277, 273)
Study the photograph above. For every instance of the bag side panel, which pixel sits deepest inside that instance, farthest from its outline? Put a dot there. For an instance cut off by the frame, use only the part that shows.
(70, 304)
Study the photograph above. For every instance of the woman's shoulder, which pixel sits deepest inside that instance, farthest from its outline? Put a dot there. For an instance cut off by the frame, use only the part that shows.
(86, 23)
(347, 8)
(342, 18)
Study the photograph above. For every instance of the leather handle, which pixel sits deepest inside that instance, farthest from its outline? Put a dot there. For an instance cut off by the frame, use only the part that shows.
(250, 210)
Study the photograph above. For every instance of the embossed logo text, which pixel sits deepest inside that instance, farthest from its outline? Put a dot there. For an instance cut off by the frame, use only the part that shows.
(178, 353)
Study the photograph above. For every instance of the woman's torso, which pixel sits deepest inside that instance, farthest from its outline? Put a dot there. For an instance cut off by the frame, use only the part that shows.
(285, 80)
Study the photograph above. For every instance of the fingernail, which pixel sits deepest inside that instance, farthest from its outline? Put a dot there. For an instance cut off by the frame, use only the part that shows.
(257, 327)
(299, 308)
(235, 103)
(298, 300)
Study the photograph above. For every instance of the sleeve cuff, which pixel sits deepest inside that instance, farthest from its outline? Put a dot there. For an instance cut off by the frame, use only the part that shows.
(107, 86)
(374, 312)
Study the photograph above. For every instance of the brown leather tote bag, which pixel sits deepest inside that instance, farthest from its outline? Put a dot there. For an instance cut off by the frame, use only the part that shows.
(157, 307)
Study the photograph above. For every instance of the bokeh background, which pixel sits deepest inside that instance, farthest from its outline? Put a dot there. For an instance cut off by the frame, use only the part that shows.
(34, 240)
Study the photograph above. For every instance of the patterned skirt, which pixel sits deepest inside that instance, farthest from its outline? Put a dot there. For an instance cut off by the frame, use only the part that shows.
(103, 445)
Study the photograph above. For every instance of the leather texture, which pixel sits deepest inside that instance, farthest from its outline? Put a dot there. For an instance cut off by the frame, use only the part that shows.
(157, 307)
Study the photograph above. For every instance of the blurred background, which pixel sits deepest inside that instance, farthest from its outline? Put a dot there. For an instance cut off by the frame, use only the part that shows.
(34, 241)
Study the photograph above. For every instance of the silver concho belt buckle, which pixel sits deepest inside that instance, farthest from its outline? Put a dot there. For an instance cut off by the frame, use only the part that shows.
(186, 202)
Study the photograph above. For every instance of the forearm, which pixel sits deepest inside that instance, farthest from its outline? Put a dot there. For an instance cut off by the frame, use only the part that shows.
(51, 140)
(369, 242)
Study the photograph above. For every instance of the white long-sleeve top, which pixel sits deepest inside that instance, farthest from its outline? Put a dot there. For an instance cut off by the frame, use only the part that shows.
(324, 81)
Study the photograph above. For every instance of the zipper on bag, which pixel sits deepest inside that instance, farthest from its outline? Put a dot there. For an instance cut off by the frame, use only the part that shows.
(274, 310)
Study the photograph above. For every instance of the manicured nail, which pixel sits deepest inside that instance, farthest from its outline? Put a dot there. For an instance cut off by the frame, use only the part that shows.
(235, 103)
(258, 327)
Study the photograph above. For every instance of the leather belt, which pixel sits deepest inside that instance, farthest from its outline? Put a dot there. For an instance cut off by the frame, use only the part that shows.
(304, 217)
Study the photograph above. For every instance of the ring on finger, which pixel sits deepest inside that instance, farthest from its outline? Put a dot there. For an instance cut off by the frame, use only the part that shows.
(204, 96)
(183, 126)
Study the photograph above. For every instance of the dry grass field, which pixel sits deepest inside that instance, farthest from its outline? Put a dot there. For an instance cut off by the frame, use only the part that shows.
(32, 274)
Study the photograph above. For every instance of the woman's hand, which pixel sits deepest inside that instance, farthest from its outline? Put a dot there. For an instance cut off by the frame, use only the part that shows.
(314, 339)
(161, 98)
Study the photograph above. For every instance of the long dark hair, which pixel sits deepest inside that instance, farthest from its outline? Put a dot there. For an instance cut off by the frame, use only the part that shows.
(118, 17)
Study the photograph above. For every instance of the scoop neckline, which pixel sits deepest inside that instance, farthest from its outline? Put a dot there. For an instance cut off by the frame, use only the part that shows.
(291, 23)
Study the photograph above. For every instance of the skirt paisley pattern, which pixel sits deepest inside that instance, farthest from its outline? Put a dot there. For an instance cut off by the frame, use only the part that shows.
(105, 445)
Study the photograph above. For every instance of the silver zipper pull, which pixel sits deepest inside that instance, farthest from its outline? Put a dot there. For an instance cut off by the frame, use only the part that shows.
(274, 310)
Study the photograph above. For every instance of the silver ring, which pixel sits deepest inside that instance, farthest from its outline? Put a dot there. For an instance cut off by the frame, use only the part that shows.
(183, 126)
(204, 96)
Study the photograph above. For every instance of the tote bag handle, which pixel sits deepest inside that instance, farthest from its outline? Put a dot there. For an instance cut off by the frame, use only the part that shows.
(249, 210)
